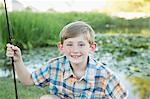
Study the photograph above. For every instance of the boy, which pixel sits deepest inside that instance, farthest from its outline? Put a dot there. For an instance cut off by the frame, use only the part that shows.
(74, 75)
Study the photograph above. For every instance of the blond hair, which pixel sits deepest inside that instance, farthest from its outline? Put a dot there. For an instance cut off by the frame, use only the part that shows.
(77, 28)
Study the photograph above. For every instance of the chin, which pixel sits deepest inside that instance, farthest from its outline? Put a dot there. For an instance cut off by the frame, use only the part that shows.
(75, 61)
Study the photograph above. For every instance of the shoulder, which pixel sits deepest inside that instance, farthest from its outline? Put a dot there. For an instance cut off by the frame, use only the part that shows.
(103, 71)
(57, 60)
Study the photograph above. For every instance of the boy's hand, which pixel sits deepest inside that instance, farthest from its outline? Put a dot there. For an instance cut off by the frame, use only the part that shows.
(13, 51)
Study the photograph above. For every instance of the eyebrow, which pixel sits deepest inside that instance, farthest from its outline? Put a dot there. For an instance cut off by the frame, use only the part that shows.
(69, 42)
(80, 42)
(77, 42)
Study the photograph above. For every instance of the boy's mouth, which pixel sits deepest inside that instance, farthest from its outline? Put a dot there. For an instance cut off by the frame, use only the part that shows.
(75, 56)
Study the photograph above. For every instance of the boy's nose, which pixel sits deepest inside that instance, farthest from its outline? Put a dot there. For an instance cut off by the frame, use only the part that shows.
(75, 49)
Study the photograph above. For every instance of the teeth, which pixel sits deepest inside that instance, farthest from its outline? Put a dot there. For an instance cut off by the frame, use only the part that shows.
(74, 56)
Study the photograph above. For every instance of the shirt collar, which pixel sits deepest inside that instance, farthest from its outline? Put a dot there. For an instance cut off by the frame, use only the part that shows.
(91, 70)
(67, 69)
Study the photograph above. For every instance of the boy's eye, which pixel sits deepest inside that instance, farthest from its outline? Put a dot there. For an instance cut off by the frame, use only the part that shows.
(81, 44)
(69, 44)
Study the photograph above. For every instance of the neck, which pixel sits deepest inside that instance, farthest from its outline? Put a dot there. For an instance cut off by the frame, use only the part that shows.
(80, 66)
(79, 69)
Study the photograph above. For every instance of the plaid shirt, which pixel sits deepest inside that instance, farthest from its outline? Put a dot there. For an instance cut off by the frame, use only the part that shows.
(97, 83)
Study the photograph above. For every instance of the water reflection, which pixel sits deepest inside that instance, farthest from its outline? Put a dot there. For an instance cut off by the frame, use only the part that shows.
(4, 72)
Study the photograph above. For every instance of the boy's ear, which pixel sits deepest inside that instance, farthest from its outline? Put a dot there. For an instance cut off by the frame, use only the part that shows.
(93, 47)
(60, 46)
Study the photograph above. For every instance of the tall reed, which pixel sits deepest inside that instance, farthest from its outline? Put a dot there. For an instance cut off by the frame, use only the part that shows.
(32, 29)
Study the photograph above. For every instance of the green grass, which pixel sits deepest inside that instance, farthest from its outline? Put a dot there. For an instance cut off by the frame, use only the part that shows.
(24, 92)
(42, 29)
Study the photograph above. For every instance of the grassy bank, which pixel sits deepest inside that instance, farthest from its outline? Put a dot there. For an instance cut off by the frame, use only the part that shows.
(24, 92)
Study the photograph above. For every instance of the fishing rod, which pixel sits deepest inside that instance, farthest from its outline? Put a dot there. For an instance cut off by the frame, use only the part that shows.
(10, 41)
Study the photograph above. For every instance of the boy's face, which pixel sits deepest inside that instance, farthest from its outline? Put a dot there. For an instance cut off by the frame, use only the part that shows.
(76, 49)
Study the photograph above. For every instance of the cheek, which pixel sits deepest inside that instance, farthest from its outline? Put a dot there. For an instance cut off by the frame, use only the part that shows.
(85, 52)
(66, 51)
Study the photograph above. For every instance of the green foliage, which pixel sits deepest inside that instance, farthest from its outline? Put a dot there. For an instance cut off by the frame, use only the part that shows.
(141, 86)
(42, 29)
(124, 45)
(127, 53)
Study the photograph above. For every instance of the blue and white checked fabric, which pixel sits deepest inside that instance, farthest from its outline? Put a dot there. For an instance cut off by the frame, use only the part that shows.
(97, 83)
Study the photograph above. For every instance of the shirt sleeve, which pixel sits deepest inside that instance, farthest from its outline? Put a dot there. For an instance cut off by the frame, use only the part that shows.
(114, 89)
(41, 77)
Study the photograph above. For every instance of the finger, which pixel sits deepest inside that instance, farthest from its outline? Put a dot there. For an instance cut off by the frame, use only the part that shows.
(10, 54)
(16, 48)
(9, 45)
(9, 50)
(12, 47)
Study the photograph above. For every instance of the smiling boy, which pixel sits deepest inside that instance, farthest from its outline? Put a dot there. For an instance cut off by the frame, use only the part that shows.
(75, 75)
